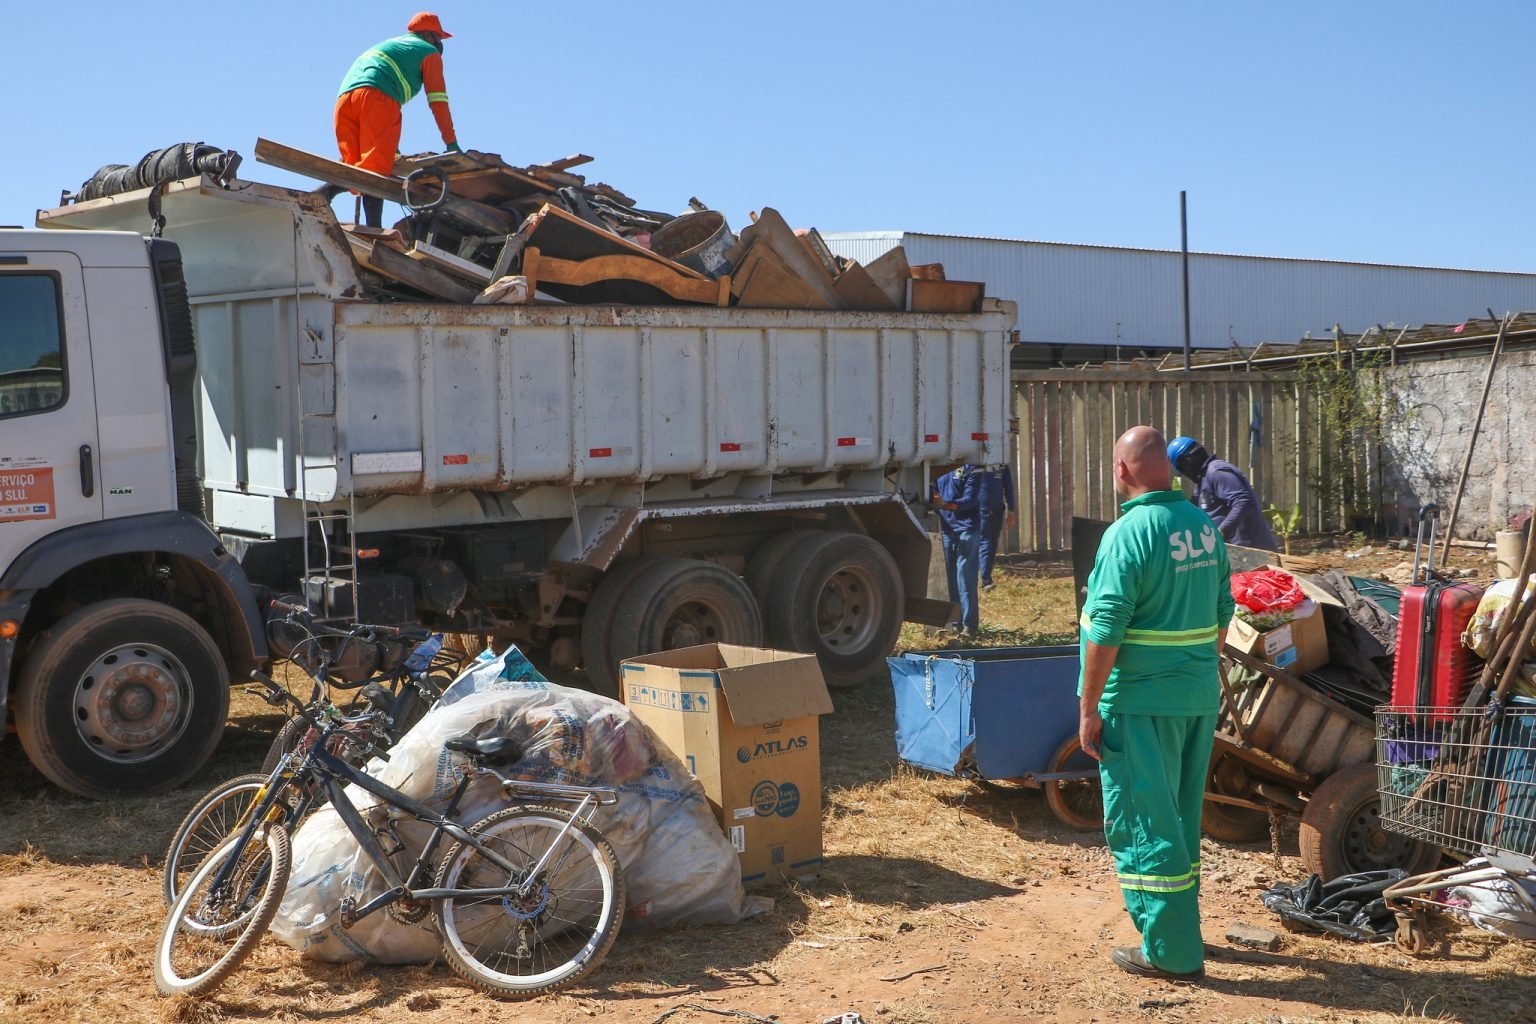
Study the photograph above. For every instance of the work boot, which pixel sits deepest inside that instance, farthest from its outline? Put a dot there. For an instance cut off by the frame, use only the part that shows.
(1133, 961)
(373, 211)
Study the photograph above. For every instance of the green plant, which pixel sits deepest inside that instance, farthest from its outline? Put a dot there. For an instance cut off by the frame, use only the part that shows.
(1285, 523)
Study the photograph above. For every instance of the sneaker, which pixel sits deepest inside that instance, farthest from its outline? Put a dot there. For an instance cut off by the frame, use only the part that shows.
(967, 634)
(1133, 961)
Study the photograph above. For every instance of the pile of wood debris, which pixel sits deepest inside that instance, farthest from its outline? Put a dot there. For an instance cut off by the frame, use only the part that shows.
(481, 230)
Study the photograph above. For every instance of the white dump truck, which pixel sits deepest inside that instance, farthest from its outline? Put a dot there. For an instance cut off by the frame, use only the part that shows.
(192, 423)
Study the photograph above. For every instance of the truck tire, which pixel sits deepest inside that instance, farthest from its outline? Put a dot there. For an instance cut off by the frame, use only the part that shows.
(597, 623)
(122, 698)
(837, 596)
(766, 561)
(1341, 831)
(683, 602)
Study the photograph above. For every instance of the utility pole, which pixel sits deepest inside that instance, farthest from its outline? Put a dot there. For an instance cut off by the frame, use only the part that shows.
(1184, 248)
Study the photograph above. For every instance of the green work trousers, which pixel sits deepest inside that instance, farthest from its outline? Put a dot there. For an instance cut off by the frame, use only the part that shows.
(1153, 770)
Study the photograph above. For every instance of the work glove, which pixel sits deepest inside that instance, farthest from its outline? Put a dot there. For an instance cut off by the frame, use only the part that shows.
(453, 147)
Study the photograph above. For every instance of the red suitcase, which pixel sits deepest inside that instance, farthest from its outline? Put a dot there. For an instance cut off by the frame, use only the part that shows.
(1433, 668)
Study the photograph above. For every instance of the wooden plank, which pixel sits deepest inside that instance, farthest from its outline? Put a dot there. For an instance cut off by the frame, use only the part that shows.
(565, 236)
(1057, 536)
(565, 163)
(495, 185)
(1023, 471)
(607, 273)
(928, 271)
(449, 263)
(422, 277)
(762, 280)
(771, 229)
(890, 272)
(859, 291)
(1043, 451)
(477, 217)
(817, 247)
(929, 296)
(387, 237)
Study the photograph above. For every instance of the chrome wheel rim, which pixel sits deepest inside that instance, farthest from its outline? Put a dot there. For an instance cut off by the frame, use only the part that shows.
(132, 702)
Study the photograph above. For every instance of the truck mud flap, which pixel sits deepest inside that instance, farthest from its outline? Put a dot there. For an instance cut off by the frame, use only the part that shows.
(927, 611)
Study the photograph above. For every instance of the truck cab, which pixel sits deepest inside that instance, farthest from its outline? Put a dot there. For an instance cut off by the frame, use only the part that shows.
(122, 617)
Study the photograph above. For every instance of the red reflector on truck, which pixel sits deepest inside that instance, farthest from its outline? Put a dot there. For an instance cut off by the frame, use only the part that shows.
(600, 453)
(730, 446)
(455, 460)
(979, 437)
(930, 439)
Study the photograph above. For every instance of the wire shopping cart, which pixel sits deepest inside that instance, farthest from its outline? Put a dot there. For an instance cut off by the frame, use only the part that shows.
(1463, 779)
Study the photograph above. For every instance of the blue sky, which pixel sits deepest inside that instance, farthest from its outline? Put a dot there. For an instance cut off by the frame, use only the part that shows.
(1386, 132)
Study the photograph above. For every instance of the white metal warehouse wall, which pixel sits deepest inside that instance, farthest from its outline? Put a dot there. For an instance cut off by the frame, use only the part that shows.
(1078, 294)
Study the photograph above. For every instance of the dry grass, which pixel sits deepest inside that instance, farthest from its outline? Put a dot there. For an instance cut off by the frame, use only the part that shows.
(1003, 913)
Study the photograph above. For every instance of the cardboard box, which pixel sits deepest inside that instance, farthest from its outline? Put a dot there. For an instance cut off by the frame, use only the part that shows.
(744, 721)
(1300, 645)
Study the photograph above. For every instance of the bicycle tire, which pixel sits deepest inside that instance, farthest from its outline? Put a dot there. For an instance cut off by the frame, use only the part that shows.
(210, 822)
(259, 885)
(521, 835)
(287, 739)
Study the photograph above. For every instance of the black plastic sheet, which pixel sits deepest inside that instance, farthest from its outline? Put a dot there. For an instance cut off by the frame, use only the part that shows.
(1350, 906)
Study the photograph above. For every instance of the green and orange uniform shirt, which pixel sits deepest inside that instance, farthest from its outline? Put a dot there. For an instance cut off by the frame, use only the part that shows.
(379, 83)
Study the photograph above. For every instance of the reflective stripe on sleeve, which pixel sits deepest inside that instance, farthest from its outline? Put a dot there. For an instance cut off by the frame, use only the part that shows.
(437, 97)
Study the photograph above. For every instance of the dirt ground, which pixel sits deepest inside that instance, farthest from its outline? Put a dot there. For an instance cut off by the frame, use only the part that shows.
(939, 903)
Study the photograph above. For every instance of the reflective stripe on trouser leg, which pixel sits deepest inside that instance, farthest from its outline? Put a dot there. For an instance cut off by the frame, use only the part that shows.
(1153, 772)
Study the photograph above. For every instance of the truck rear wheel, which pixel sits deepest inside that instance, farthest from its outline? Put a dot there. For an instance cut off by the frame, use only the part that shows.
(122, 698)
(837, 596)
(597, 624)
(683, 602)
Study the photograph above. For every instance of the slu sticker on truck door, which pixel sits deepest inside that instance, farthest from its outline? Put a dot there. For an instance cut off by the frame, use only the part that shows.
(26, 494)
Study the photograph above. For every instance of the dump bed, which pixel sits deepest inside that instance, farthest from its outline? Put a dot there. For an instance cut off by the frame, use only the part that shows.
(301, 381)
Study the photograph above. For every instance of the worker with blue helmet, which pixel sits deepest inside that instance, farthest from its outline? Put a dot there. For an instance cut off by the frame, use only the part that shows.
(957, 499)
(1224, 494)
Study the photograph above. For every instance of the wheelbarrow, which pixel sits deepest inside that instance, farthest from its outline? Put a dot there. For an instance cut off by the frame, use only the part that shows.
(1005, 718)
(1283, 748)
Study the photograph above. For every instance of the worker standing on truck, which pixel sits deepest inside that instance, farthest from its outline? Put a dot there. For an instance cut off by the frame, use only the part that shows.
(379, 83)
(1224, 493)
(957, 496)
(1156, 615)
(997, 506)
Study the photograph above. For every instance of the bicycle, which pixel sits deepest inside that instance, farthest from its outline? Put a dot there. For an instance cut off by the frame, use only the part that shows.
(390, 713)
(526, 901)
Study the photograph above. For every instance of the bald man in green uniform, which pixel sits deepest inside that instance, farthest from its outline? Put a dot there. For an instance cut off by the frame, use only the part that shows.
(1159, 601)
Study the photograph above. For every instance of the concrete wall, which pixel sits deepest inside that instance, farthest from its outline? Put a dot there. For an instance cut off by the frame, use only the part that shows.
(1425, 443)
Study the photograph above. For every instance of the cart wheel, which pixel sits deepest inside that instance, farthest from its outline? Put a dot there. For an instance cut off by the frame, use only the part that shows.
(1224, 821)
(1341, 830)
(1079, 804)
(1412, 937)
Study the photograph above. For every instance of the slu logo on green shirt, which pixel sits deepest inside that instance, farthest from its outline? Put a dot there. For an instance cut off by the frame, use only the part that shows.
(1184, 548)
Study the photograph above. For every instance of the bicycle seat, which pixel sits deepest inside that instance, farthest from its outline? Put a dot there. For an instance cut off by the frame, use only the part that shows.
(492, 748)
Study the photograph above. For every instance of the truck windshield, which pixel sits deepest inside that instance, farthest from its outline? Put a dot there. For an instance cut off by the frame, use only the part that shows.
(31, 344)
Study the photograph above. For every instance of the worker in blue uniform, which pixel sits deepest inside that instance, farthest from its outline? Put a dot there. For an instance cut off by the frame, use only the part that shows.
(997, 510)
(957, 497)
(1224, 494)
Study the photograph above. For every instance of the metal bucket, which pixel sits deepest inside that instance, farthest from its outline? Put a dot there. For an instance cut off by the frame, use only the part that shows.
(697, 241)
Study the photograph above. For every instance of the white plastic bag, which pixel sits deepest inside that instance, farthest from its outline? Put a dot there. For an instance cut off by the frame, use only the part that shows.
(678, 866)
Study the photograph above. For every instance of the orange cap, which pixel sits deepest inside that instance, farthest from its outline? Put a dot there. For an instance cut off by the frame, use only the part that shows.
(426, 21)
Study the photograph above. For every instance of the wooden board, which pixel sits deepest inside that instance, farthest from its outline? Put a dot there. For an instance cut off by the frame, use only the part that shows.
(476, 217)
(771, 230)
(762, 280)
(928, 271)
(565, 236)
(448, 263)
(388, 237)
(817, 247)
(890, 273)
(925, 295)
(422, 277)
(621, 278)
(856, 288)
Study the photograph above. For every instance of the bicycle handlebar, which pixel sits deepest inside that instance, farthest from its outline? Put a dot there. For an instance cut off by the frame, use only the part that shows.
(302, 616)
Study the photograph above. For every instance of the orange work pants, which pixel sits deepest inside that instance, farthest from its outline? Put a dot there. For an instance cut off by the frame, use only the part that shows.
(368, 130)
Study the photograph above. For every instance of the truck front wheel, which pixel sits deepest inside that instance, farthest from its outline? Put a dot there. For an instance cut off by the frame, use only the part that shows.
(122, 698)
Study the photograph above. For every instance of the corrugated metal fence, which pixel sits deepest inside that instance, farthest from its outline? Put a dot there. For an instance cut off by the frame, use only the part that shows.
(1069, 420)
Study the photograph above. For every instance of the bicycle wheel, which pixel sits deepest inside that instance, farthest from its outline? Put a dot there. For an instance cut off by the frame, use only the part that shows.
(212, 929)
(210, 821)
(555, 933)
(286, 740)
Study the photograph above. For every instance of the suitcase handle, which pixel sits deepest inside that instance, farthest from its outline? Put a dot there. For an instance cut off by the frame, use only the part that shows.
(1430, 513)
